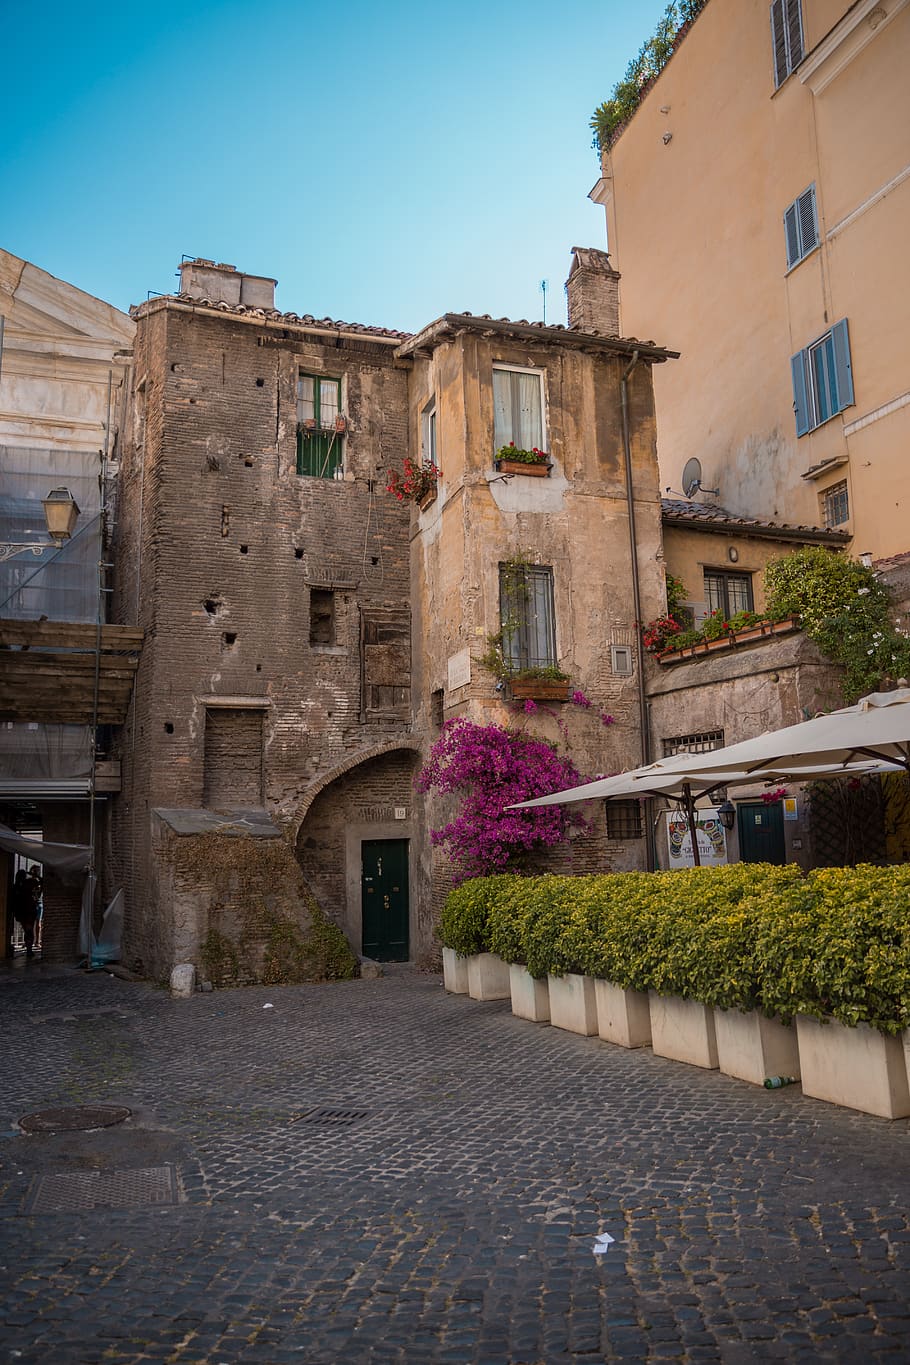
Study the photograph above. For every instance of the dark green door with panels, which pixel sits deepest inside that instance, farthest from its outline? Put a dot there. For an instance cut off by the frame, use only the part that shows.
(384, 880)
(761, 833)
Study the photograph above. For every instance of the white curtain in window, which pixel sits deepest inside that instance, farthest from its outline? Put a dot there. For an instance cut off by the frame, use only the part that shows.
(517, 411)
(306, 409)
(527, 401)
(328, 402)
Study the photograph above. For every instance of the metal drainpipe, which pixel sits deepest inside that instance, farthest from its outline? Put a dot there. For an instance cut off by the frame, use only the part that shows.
(636, 601)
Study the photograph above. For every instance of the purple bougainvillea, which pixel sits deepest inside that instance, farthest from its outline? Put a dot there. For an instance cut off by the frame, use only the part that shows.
(491, 768)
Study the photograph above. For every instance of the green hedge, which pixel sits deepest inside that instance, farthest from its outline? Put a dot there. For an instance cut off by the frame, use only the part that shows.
(747, 936)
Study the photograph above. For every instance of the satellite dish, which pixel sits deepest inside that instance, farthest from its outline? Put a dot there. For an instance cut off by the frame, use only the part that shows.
(691, 479)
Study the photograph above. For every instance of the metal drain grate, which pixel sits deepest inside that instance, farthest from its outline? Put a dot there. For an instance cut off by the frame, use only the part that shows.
(79, 1190)
(331, 1118)
(76, 1118)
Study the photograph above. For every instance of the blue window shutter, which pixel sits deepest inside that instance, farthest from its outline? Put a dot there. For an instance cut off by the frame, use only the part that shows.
(794, 33)
(800, 393)
(807, 214)
(791, 231)
(842, 366)
(779, 42)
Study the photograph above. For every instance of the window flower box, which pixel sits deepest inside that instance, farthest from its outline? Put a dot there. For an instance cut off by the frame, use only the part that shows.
(535, 471)
(539, 689)
(512, 460)
(428, 498)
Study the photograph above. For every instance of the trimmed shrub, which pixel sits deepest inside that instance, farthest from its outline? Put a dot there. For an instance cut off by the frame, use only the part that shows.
(747, 936)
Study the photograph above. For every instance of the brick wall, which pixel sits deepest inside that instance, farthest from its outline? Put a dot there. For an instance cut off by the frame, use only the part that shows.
(226, 541)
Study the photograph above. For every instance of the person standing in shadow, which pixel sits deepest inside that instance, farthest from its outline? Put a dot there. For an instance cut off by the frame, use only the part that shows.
(25, 907)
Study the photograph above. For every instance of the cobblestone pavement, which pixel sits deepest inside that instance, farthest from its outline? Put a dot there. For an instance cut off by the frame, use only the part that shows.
(446, 1211)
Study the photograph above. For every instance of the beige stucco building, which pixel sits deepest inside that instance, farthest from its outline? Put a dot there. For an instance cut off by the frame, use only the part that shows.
(758, 208)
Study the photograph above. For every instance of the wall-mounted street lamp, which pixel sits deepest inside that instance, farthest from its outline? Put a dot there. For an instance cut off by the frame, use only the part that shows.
(726, 814)
(60, 513)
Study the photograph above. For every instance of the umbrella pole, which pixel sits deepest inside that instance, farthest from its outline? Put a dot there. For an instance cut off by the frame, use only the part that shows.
(693, 823)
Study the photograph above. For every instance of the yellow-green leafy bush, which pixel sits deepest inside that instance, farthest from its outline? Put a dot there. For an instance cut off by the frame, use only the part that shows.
(747, 936)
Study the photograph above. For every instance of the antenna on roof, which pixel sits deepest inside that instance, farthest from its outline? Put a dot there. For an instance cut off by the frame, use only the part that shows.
(544, 284)
(691, 479)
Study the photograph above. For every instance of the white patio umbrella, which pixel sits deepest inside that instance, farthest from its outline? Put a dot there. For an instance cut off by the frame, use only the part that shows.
(684, 777)
(876, 728)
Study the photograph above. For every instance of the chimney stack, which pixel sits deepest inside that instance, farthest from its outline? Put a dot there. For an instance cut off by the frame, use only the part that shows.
(592, 292)
(202, 279)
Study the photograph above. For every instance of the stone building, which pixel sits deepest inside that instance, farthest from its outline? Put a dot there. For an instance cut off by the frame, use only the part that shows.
(306, 634)
(65, 672)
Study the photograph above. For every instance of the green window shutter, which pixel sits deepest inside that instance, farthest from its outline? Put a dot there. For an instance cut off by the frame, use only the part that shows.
(843, 368)
(807, 215)
(800, 392)
(794, 32)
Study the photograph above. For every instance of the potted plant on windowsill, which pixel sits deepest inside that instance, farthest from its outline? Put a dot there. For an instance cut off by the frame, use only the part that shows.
(511, 459)
(547, 683)
(416, 483)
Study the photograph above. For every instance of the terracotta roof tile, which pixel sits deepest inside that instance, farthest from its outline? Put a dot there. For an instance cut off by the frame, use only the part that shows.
(292, 319)
(682, 510)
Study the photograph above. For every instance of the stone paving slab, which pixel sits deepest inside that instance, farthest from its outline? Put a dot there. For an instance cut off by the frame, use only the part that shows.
(454, 1220)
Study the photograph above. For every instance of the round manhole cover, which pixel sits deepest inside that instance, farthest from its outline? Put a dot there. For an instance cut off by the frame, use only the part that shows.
(74, 1118)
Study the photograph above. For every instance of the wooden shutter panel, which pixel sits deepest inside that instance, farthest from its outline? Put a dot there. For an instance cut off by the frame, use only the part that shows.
(794, 33)
(842, 366)
(791, 229)
(779, 42)
(808, 221)
(800, 392)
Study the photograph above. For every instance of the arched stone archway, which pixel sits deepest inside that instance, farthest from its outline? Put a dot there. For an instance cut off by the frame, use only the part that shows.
(357, 822)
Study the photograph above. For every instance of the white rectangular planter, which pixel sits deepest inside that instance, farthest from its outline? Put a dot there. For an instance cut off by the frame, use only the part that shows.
(573, 1004)
(454, 972)
(859, 1068)
(530, 995)
(488, 977)
(623, 1016)
(751, 1047)
(683, 1030)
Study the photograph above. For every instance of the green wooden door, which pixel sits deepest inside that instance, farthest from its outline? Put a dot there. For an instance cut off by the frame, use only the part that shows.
(385, 899)
(761, 833)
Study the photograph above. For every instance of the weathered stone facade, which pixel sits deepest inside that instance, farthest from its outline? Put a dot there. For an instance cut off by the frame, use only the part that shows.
(223, 552)
(305, 636)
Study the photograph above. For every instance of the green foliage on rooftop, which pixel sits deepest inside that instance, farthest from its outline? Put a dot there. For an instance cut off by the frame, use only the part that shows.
(643, 68)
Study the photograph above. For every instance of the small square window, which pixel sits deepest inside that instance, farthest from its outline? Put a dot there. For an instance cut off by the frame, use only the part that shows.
(728, 593)
(836, 504)
(624, 820)
(621, 660)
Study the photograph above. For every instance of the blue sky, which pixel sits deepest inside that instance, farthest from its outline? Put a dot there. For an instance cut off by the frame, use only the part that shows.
(385, 162)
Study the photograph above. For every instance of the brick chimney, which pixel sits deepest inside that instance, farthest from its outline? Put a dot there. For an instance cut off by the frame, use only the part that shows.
(592, 291)
(202, 279)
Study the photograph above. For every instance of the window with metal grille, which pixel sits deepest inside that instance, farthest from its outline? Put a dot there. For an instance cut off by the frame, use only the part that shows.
(526, 617)
(319, 426)
(801, 226)
(786, 37)
(822, 379)
(836, 504)
(728, 592)
(624, 820)
(702, 743)
(518, 408)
